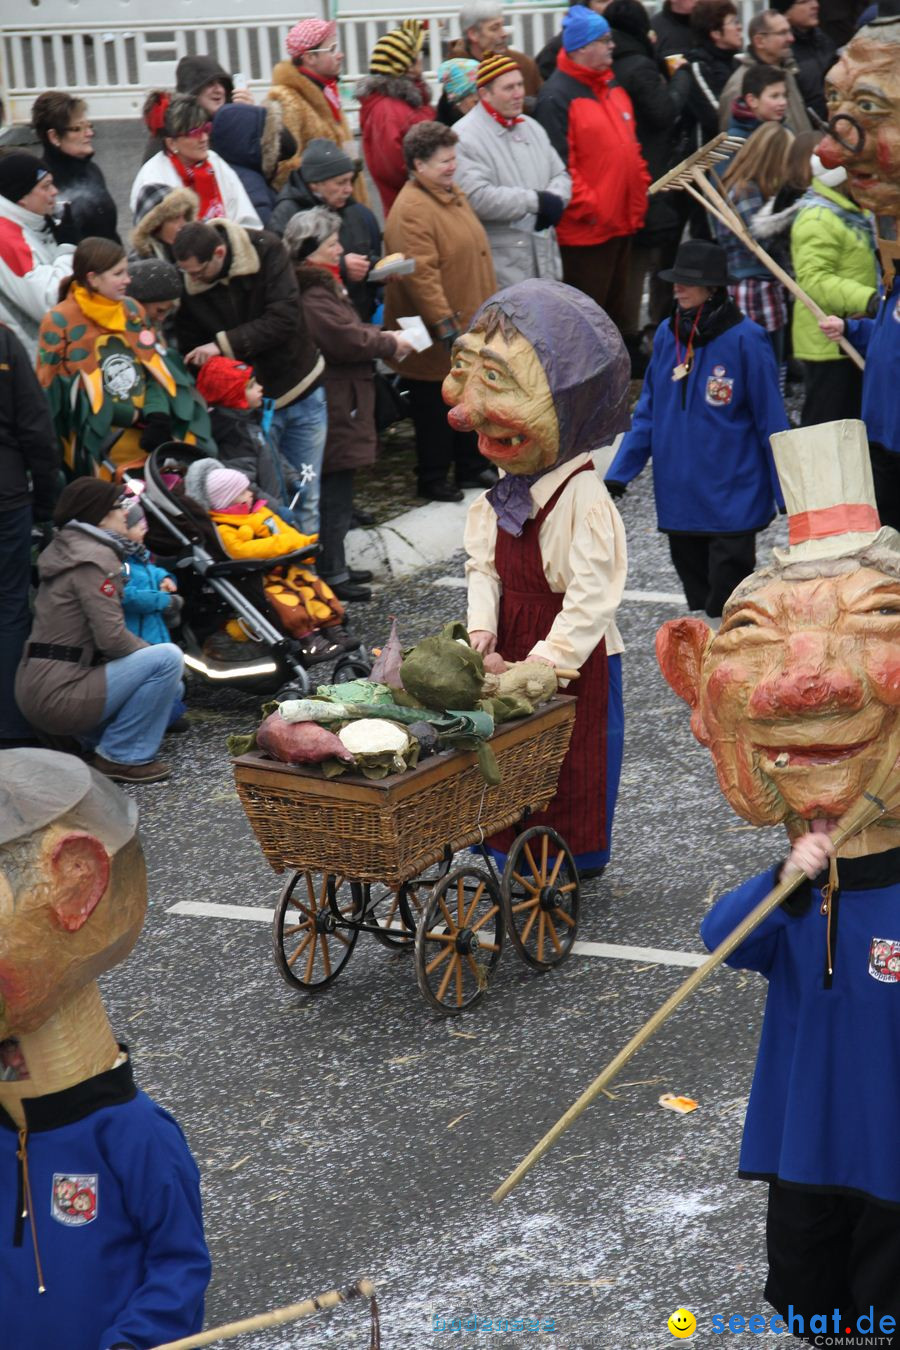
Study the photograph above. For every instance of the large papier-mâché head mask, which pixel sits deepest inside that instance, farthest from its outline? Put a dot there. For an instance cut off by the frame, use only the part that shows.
(797, 696)
(541, 375)
(863, 95)
(73, 886)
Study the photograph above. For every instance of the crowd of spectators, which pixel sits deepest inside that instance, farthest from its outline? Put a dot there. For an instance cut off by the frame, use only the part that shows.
(246, 285)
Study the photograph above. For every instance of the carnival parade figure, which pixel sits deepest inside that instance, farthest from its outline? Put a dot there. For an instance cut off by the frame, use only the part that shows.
(101, 1246)
(542, 378)
(797, 699)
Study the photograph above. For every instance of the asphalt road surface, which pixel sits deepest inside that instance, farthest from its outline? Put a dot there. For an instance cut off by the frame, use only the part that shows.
(361, 1133)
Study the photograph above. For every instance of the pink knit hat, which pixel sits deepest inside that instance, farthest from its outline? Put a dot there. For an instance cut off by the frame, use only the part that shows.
(224, 486)
(309, 34)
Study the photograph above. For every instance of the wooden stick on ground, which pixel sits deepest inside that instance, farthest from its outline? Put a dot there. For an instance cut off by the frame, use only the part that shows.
(864, 813)
(691, 175)
(293, 1312)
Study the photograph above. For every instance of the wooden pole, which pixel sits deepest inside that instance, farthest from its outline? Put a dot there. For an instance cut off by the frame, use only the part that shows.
(719, 204)
(864, 813)
(293, 1312)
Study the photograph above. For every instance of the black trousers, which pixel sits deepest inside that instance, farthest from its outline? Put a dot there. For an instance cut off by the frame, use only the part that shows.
(438, 446)
(711, 565)
(15, 614)
(335, 516)
(886, 474)
(833, 391)
(829, 1251)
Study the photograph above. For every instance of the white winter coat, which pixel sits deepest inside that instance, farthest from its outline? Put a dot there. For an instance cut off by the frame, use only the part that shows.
(501, 171)
(238, 206)
(32, 264)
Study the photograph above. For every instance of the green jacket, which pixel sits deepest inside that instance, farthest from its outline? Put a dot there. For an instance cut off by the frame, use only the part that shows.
(833, 256)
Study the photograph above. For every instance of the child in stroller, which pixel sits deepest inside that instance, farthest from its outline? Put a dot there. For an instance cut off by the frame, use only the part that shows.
(247, 528)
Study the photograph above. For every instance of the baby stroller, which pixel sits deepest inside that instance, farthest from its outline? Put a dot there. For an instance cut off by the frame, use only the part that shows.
(217, 588)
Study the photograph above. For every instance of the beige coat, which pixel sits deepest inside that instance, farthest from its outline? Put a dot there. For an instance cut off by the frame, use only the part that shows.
(306, 114)
(454, 271)
(78, 605)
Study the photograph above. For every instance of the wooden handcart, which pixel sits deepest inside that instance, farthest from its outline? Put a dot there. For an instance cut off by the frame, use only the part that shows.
(376, 857)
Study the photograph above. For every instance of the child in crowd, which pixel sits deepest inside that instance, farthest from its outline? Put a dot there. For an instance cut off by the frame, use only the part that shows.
(240, 416)
(304, 605)
(149, 600)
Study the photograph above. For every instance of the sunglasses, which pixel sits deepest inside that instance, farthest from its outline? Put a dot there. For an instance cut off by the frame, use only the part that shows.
(330, 51)
(196, 133)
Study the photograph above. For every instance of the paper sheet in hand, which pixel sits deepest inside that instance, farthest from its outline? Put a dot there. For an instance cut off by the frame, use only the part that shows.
(415, 327)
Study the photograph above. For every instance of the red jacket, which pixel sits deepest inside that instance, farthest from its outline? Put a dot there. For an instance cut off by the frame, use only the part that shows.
(385, 119)
(590, 121)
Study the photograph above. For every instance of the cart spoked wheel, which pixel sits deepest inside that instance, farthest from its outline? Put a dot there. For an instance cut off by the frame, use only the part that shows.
(405, 906)
(311, 936)
(540, 896)
(459, 939)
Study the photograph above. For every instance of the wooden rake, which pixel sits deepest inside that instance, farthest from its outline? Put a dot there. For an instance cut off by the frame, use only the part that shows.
(691, 176)
(293, 1312)
(870, 808)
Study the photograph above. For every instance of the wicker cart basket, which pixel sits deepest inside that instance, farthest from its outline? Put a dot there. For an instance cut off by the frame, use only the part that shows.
(388, 830)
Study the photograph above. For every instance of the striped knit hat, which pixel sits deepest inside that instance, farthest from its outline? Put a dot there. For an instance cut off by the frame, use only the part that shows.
(492, 65)
(394, 53)
(308, 35)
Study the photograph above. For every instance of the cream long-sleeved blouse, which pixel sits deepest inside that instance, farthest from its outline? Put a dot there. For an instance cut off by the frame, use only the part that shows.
(584, 557)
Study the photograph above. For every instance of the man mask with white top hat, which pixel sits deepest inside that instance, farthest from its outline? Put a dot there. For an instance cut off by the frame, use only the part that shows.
(797, 699)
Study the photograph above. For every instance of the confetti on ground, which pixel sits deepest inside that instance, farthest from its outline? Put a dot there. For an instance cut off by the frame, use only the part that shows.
(681, 1105)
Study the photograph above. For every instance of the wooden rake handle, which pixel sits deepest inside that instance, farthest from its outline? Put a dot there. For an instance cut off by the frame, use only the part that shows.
(718, 204)
(292, 1312)
(862, 814)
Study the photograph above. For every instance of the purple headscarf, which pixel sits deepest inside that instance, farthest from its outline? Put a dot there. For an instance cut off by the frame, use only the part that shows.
(587, 368)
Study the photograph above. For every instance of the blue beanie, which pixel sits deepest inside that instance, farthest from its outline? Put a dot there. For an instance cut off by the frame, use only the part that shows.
(581, 26)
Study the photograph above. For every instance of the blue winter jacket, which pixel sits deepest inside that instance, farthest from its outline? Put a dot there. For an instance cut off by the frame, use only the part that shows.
(143, 601)
(115, 1200)
(878, 340)
(824, 1107)
(708, 434)
(239, 135)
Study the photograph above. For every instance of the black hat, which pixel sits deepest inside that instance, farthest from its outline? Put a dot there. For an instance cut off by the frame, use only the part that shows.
(698, 263)
(323, 159)
(154, 279)
(19, 173)
(87, 500)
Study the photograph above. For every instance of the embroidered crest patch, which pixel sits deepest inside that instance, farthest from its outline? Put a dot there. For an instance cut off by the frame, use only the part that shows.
(719, 388)
(107, 588)
(74, 1199)
(884, 960)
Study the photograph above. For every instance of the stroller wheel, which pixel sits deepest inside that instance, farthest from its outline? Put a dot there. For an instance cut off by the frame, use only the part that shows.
(293, 689)
(352, 666)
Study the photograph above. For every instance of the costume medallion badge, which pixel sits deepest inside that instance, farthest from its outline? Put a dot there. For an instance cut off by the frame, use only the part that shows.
(884, 960)
(719, 388)
(74, 1198)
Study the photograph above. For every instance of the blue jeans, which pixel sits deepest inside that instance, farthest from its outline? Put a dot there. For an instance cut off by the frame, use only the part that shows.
(140, 691)
(299, 432)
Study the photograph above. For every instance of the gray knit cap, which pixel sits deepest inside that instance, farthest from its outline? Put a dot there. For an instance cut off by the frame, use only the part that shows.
(154, 279)
(323, 159)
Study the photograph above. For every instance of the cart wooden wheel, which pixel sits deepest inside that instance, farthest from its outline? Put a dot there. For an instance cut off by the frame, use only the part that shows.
(311, 936)
(540, 895)
(459, 939)
(404, 906)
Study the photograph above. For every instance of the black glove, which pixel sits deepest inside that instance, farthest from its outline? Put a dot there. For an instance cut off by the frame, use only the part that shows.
(550, 209)
(446, 331)
(157, 430)
(872, 305)
(614, 489)
(172, 612)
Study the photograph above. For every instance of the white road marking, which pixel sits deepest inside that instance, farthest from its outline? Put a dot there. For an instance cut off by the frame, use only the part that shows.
(203, 909)
(637, 597)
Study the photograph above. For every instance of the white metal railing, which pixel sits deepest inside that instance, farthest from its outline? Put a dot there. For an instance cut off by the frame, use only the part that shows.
(113, 64)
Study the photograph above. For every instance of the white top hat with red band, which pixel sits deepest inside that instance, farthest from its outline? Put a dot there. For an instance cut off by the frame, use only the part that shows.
(826, 477)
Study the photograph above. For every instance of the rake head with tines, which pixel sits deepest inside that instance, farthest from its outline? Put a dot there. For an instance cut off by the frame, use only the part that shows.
(719, 149)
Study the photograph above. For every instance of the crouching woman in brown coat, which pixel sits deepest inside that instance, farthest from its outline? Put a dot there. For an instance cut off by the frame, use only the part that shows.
(350, 348)
(83, 674)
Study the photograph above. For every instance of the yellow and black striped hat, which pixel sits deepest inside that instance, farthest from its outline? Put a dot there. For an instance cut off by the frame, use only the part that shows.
(394, 53)
(491, 66)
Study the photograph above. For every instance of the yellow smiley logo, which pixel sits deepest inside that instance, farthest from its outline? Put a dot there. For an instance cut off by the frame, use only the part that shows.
(682, 1323)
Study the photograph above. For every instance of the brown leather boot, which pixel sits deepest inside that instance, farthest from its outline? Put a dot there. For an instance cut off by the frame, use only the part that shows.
(154, 772)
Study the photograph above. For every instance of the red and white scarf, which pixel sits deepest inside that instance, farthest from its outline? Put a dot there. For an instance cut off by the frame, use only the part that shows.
(201, 178)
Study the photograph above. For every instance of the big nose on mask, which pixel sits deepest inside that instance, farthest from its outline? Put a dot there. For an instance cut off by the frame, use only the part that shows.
(460, 418)
(811, 678)
(844, 137)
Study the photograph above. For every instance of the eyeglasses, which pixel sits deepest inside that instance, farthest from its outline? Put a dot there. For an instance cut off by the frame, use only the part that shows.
(196, 133)
(776, 32)
(78, 129)
(329, 51)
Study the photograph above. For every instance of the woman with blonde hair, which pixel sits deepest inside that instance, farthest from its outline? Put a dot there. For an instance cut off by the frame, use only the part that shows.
(754, 177)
